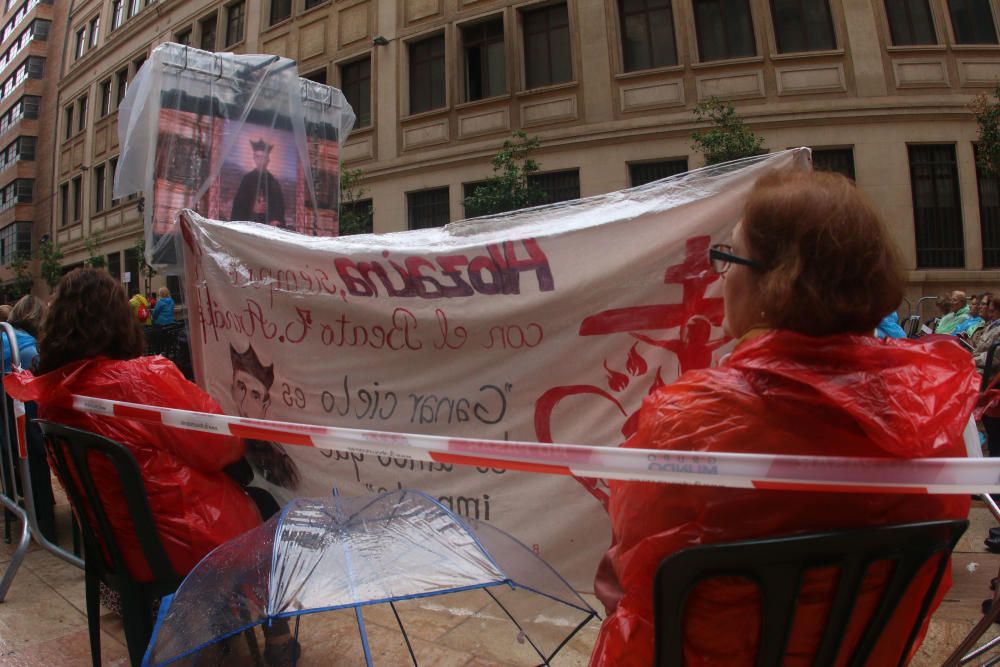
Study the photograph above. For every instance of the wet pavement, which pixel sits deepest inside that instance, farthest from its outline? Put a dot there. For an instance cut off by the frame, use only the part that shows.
(43, 621)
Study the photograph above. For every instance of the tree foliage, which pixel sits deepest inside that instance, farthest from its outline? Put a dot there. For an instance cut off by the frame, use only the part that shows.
(145, 269)
(986, 108)
(510, 187)
(728, 138)
(95, 257)
(23, 280)
(50, 257)
(355, 217)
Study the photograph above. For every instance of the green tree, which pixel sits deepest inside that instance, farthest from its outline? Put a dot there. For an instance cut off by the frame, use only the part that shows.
(95, 257)
(728, 138)
(50, 256)
(23, 280)
(986, 108)
(510, 187)
(355, 214)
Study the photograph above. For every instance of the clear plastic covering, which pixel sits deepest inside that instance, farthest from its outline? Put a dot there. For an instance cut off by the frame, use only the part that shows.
(402, 550)
(234, 137)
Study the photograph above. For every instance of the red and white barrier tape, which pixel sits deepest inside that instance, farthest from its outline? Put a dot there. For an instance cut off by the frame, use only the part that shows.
(762, 471)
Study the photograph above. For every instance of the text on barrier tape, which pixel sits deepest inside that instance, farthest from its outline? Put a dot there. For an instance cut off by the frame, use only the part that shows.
(762, 471)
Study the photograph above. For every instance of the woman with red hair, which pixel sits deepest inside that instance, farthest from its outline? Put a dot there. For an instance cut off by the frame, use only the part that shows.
(809, 273)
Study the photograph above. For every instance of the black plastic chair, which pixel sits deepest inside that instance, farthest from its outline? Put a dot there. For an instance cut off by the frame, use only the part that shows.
(777, 566)
(73, 451)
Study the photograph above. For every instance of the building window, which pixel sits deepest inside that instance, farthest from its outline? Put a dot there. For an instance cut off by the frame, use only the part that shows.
(313, 3)
(133, 8)
(427, 208)
(724, 29)
(100, 183)
(24, 189)
(235, 16)
(557, 185)
(910, 22)
(95, 30)
(30, 104)
(360, 216)
(64, 204)
(183, 37)
(15, 239)
(26, 148)
(319, 76)
(641, 173)
(356, 82)
(39, 30)
(647, 33)
(802, 25)
(485, 60)
(280, 10)
(117, 13)
(427, 74)
(937, 209)
(81, 114)
(113, 172)
(105, 88)
(207, 26)
(68, 121)
(972, 22)
(547, 53)
(34, 67)
(121, 79)
(77, 192)
(839, 160)
(989, 214)
(80, 44)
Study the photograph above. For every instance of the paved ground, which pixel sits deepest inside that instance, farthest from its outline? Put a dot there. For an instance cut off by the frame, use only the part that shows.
(43, 622)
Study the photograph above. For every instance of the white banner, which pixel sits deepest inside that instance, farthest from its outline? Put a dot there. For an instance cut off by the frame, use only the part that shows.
(547, 325)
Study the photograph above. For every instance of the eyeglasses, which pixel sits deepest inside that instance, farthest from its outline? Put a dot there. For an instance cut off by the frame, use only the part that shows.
(721, 256)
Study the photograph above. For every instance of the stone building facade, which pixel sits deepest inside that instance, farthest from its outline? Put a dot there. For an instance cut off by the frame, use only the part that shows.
(879, 88)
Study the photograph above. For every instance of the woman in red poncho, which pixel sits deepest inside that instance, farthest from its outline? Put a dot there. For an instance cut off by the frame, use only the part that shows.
(810, 272)
(91, 345)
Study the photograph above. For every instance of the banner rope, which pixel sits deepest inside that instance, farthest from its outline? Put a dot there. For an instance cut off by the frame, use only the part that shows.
(761, 471)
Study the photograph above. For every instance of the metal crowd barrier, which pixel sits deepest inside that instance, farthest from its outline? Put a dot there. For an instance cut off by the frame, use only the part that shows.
(21, 505)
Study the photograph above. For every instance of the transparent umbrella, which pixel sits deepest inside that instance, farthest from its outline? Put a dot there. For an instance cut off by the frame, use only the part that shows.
(391, 579)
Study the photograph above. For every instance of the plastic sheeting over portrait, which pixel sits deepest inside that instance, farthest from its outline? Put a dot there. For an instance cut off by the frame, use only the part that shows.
(234, 137)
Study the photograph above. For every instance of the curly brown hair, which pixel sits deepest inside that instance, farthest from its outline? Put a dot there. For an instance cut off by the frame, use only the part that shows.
(830, 264)
(89, 317)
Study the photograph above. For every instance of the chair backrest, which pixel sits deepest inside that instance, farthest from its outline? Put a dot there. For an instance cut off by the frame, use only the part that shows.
(777, 566)
(73, 451)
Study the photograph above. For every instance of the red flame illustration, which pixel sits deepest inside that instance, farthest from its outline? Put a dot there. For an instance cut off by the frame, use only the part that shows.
(635, 365)
(657, 382)
(616, 380)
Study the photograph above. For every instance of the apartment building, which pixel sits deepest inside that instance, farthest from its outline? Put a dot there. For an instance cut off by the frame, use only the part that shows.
(27, 103)
(879, 88)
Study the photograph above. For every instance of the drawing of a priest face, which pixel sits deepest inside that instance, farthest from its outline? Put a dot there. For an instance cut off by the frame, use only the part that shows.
(251, 383)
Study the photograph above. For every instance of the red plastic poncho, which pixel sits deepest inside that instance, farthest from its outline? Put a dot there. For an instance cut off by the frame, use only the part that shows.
(789, 394)
(195, 505)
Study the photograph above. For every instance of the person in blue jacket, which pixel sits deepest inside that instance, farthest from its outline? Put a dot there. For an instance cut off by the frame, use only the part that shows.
(26, 318)
(163, 311)
(889, 327)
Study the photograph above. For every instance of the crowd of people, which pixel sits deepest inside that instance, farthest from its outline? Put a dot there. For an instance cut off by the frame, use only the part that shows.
(802, 311)
(153, 309)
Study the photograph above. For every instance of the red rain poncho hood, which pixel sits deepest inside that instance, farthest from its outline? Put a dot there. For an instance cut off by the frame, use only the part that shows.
(787, 394)
(195, 505)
